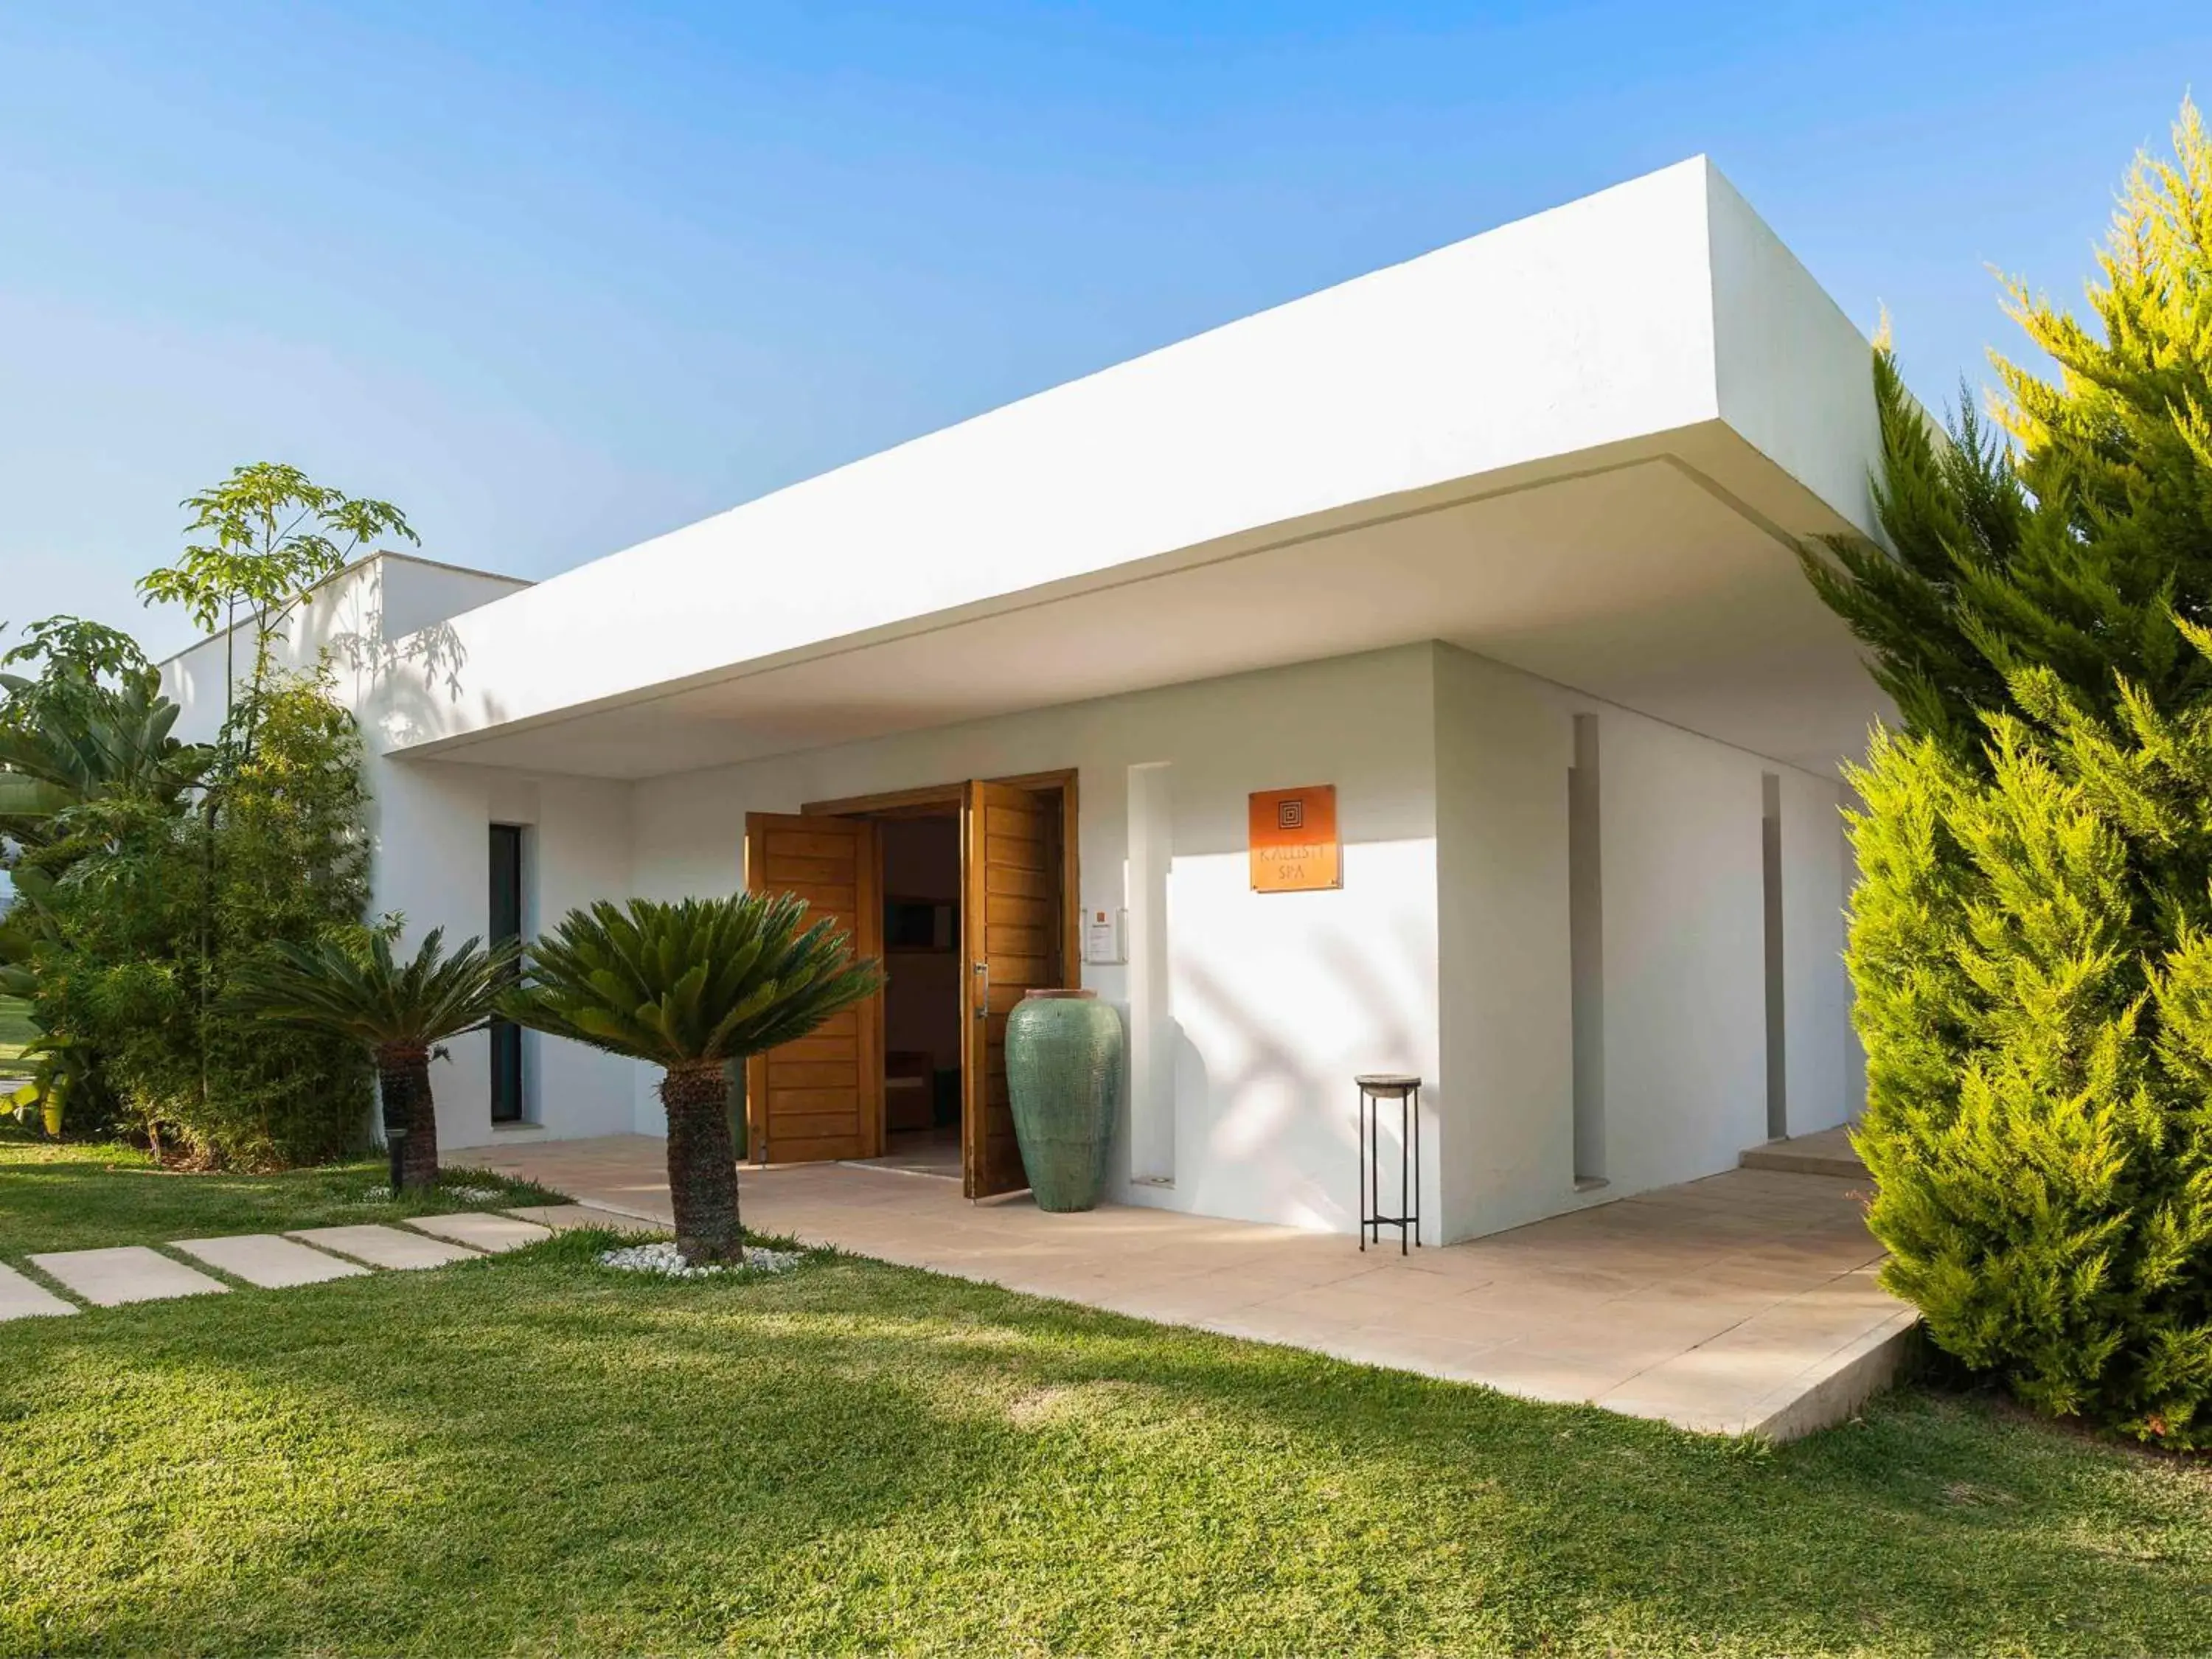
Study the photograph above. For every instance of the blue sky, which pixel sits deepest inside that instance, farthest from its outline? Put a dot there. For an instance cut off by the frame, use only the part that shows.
(557, 277)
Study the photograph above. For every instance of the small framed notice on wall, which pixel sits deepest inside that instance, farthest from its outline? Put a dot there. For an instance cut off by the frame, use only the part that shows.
(1293, 838)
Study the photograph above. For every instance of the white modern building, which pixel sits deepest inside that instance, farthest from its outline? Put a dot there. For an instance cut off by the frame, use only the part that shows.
(1498, 544)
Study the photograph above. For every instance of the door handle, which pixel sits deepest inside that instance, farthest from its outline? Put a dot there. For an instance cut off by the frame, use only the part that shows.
(982, 989)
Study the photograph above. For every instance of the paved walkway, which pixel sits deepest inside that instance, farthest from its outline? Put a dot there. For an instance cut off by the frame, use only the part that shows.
(120, 1274)
(1743, 1302)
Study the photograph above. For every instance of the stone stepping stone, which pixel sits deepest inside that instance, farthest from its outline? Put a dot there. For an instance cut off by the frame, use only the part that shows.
(385, 1246)
(24, 1298)
(128, 1273)
(481, 1230)
(567, 1217)
(266, 1259)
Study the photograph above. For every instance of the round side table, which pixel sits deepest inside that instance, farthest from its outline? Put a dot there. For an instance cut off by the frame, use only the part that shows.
(1374, 1088)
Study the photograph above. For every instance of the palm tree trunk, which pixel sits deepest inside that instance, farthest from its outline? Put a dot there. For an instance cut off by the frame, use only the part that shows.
(403, 1076)
(703, 1164)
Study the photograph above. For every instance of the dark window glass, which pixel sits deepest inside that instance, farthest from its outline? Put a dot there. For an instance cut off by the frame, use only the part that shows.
(505, 924)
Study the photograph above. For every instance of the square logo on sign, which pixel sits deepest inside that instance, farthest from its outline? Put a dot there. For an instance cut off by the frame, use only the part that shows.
(1292, 836)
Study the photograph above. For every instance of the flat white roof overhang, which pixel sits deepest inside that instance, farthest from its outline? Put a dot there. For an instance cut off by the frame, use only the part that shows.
(1585, 445)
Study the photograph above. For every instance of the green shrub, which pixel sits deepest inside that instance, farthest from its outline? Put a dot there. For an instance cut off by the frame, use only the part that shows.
(2031, 942)
(2076, 535)
(149, 934)
(2039, 1035)
(154, 874)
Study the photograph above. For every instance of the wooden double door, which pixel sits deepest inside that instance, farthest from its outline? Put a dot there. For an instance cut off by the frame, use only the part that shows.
(823, 1096)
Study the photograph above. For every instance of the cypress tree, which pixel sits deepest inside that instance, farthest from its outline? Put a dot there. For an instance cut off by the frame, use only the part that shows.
(2076, 535)
(2031, 942)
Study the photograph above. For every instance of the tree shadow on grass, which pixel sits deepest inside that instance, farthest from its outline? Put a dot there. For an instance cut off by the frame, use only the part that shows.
(538, 1453)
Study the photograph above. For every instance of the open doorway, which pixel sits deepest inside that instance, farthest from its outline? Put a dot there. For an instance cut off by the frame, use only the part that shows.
(921, 1001)
(891, 1080)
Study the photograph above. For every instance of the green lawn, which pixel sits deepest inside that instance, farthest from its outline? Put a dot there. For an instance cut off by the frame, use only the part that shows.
(15, 1031)
(74, 1195)
(535, 1453)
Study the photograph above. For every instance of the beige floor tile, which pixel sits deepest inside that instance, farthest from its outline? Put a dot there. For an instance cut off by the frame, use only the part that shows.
(1186, 1303)
(1447, 1358)
(1455, 1262)
(1280, 1325)
(1704, 1405)
(1695, 1303)
(1516, 1369)
(1512, 1296)
(1455, 1320)
(1773, 1280)
(1611, 1356)
(1329, 1303)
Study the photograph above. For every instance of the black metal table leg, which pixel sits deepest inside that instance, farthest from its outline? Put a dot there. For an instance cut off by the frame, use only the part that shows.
(1374, 1089)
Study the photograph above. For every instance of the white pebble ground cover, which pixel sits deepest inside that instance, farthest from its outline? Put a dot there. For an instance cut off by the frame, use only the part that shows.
(661, 1258)
(465, 1194)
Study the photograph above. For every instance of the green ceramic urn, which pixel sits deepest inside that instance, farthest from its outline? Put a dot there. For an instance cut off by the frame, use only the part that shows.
(1064, 1073)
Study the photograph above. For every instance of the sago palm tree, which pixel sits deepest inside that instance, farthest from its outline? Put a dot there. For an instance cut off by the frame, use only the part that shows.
(689, 987)
(400, 1012)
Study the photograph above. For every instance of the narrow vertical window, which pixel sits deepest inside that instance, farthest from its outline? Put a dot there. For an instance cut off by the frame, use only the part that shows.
(505, 924)
(1586, 953)
(1777, 1055)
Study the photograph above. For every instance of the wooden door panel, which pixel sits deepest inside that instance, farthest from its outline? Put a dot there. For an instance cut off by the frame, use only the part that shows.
(1032, 884)
(847, 1048)
(1010, 933)
(1028, 943)
(820, 1097)
(825, 875)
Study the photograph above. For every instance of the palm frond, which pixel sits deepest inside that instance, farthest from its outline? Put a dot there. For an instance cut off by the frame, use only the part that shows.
(365, 992)
(699, 980)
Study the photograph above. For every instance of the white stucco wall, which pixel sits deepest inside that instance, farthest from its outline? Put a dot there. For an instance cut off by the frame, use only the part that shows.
(380, 627)
(1512, 347)
(420, 593)
(1513, 357)
(430, 825)
(1444, 953)
(1275, 1000)
(1789, 369)
(1504, 742)
(432, 867)
(1827, 1085)
(1683, 951)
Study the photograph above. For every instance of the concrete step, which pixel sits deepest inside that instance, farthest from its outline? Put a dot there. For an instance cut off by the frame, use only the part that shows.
(482, 1230)
(127, 1273)
(1828, 1152)
(385, 1246)
(266, 1259)
(23, 1297)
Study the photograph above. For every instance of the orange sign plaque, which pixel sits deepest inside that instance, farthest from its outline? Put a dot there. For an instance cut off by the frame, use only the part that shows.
(1293, 836)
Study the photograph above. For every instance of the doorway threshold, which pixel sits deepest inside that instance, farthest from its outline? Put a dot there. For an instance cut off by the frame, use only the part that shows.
(931, 1151)
(895, 1165)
